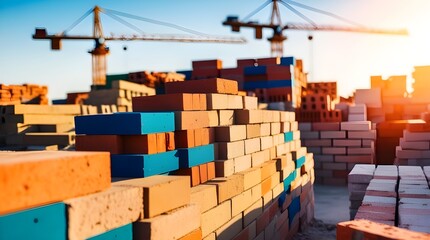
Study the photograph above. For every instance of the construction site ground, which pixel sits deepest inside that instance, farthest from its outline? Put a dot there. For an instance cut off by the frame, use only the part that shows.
(331, 207)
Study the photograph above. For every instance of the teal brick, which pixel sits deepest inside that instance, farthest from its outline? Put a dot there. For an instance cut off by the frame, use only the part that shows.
(300, 161)
(128, 123)
(44, 223)
(190, 157)
(288, 180)
(122, 233)
(288, 136)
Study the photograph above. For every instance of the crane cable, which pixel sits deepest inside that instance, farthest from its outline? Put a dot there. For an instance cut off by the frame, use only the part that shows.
(256, 11)
(77, 22)
(298, 13)
(322, 12)
(132, 26)
(166, 24)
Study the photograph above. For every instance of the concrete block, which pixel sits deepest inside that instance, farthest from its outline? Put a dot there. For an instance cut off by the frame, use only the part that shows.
(205, 196)
(226, 117)
(25, 181)
(215, 218)
(154, 228)
(161, 193)
(230, 133)
(109, 209)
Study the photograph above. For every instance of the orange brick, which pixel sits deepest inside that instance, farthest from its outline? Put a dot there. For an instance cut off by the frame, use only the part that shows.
(198, 137)
(165, 102)
(161, 142)
(192, 119)
(170, 141)
(208, 135)
(193, 173)
(194, 235)
(211, 170)
(108, 143)
(27, 177)
(211, 85)
(140, 144)
(184, 138)
(203, 170)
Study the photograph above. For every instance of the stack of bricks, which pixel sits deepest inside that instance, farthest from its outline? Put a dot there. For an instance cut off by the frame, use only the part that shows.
(119, 94)
(414, 148)
(358, 180)
(364, 229)
(26, 93)
(317, 107)
(263, 185)
(337, 147)
(206, 69)
(397, 196)
(372, 99)
(25, 126)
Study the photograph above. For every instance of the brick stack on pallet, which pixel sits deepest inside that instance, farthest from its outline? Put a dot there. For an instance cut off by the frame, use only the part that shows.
(364, 229)
(263, 185)
(397, 196)
(358, 181)
(23, 126)
(337, 147)
(414, 147)
(119, 94)
(26, 93)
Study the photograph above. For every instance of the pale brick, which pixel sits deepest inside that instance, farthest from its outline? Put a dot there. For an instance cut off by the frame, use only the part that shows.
(234, 102)
(251, 213)
(251, 177)
(229, 150)
(230, 229)
(248, 116)
(265, 129)
(260, 157)
(228, 187)
(224, 168)
(154, 228)
(205, 196)
(294, 126)
(266, 142)
(242, 163)
(230, 133)
(226, 117)
(253, 130)
(355, 126)
(252, 145)
(241, 202)
(275, 128)
(250, 103)
(216, 101)
(215, 218)
(285, 127)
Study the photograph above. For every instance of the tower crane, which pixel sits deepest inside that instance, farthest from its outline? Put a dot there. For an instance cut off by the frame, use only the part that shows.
(101, 50)
(277, 39)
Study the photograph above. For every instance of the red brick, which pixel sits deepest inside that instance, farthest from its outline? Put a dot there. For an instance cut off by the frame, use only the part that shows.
(105, 143)
(326, 126)
(141, 144)
(184, 138)
(164, 102)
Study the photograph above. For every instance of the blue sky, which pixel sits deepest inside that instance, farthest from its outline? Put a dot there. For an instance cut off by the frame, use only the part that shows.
(348, 58)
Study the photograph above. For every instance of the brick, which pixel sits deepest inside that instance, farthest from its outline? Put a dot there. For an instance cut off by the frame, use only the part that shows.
(346, 230)
(216, 101)
(248, 116)
(230, 229)
(211, 236)
(251, 213)
(357, 117)
(212, 85)
(161, 193)
(105, 143)
(193, 173)
(25, 182)
(285, 127)
(228, 187)
(229, 150)
(110, 209)
(154, 228)
(334, 166)
(224, 168)
(46, 222)
(205, 196)
(189, 157)
(214, 118)
(251, 177)
(242, 163)
(211, 170)
(198, 137)
(326, 126)
(360, 151)
(226, 117)
(371, 134)
(334, 150)
(294, 126)
(268, 169)
(253, 130)
(260, 157)
(252, 145)
(418, 145)
(184, 138)
(215, 217)
(194, 235)
(230, 133)
(275, 128)
(123, 232)
(346, 143)
(247, 233)
(131, 123)
(333, 134)
(144, 144)
(265, 129)
(203, 170)
(355, 126)
(266, 142)
(250, 103)
(191, 120)
(318, 143)
(305, 126)
(200, 102)
(241, 202)
(234, 102)
(164, 102)
(286, 116)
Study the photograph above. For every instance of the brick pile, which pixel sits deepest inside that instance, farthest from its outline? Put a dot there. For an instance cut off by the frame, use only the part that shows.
(371, 230)
(26, 93)
(25, 126)
(263, 177)
(414, 147)
(337, 147)
(396, 196)
(358, 180)
(120, 94)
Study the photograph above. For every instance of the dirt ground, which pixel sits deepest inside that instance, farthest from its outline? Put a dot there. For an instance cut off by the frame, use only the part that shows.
(317, 230)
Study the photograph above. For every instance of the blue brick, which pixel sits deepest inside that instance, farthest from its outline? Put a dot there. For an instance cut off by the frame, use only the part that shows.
(258, 70)
(285, 61)
(267, 84)
(130, 123)
(187, 73)
(44, 223)
(143, 165)
(293, 209)
(282, 198)
(288, 136)
(288, 180)
(121, 233)
(300, 161)
(190, 157)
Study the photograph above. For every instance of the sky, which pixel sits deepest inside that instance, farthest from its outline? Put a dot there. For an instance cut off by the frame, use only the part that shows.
(348, 58)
